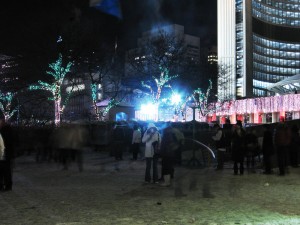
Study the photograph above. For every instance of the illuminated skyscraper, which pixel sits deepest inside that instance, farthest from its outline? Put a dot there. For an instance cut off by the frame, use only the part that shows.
(258, 45)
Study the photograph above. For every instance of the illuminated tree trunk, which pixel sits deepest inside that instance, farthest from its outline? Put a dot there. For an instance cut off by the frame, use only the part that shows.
(158, 93)
(57, 111)
(94, 99)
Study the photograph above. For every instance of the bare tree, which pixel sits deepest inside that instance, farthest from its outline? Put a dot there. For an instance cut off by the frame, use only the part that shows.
(100, 66)
(160, 59)
(162, 49)
(225, 82)
(35, 108)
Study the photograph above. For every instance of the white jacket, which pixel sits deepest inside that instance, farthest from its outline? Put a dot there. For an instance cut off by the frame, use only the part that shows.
(136, 136)
(218, 137)
(149, 139)
(2, 147)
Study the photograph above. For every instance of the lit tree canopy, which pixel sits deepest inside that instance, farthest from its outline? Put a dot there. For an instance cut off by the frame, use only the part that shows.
(6, 104)
(201, 99)
(59, 72)
(160, 82)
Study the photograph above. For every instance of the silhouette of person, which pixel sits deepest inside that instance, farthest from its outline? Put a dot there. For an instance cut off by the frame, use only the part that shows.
(171, 143)
(267, 149)
(238, 149)
(6, 132)
(282, 140)
(136, 141)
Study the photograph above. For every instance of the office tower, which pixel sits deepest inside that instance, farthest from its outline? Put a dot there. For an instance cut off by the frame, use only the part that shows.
(258, 45)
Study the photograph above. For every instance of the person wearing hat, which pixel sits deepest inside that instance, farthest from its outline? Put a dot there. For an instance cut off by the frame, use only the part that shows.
(151, 136)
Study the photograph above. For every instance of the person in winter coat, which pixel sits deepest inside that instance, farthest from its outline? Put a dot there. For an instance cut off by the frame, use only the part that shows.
(267, 149)
(282, 139)
(70, 140)
(118, 142)
(238, 149)
(7, 156)
(136, 141)
(221, 149)
(150, 136)
(172, 141)
(2, 163)
(251, 149)
(294, 146)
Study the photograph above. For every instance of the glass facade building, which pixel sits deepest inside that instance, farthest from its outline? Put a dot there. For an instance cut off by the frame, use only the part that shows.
(267, 43)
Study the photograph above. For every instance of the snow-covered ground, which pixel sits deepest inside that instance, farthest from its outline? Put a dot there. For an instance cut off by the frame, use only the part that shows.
(107, 192)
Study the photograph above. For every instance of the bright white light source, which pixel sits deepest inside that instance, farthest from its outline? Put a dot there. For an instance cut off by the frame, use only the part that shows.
(176, 98)
(148, 108)
(148, 112)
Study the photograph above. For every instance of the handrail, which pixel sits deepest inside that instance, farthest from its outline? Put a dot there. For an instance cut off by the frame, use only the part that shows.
(198, 142)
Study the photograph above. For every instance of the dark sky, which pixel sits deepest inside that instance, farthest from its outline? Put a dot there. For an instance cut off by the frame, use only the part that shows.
(35, 24)
(198, 16)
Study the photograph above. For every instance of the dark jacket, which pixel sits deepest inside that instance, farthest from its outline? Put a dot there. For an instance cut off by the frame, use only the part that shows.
(267, 145)
(282, 136)
(238, 145)
(171, 142)
(251, 144)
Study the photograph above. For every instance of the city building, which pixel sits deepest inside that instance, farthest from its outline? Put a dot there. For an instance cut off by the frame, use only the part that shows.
(79, 104)
(175, 33)
(258, 44)
(212, 55)
(8, 73)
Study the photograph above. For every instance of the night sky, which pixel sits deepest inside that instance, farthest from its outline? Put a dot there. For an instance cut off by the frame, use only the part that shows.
(199, 17)
(32, 26)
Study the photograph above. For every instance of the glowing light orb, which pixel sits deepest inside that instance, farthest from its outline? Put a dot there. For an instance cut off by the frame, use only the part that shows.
(148, 111)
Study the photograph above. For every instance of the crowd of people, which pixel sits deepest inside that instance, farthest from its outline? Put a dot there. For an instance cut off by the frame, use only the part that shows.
(277, 146)
(244, 146)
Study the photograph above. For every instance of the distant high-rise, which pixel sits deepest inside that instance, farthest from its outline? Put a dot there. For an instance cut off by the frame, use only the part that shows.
(190, 42)
(212, 56)
(8, 72)
(258, 45)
